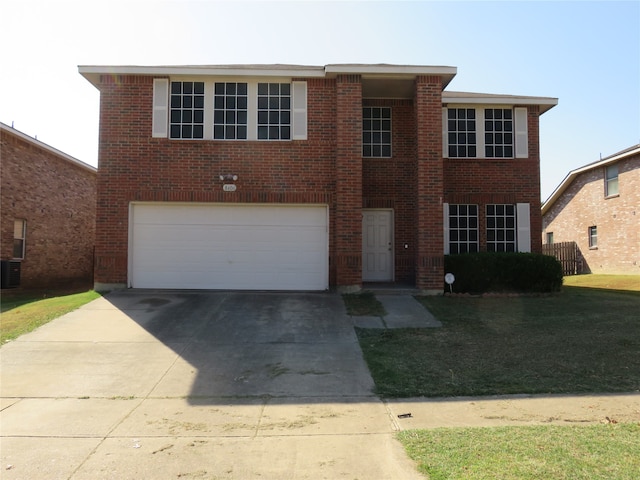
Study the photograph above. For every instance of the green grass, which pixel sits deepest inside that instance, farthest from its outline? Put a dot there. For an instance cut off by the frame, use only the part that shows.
(608, 282)
(25, 312)
(581, 340)
(363, 304)
(521, 453)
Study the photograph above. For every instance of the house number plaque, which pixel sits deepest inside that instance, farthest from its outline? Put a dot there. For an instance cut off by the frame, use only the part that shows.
(229, 187)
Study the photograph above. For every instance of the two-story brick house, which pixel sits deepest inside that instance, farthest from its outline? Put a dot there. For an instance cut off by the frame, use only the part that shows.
(285, 177)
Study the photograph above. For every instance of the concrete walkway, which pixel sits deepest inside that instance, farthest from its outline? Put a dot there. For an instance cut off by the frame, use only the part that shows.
(161, 385)
(403, 311)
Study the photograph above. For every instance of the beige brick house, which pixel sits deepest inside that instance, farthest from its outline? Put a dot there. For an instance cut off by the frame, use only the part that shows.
(48, 214)
(598, 207)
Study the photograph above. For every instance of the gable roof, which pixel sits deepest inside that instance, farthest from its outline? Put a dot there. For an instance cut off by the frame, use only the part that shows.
(23, 136)
(621, 155)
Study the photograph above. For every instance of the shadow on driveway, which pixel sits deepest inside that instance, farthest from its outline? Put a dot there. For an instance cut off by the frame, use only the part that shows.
(235, 344)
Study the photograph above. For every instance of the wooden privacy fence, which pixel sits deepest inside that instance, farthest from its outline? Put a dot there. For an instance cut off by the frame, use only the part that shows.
(567, 255)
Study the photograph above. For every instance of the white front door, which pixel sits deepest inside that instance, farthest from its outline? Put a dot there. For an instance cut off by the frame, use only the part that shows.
(377, 245)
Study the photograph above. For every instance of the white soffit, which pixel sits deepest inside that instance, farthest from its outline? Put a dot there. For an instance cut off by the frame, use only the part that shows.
(468, 98)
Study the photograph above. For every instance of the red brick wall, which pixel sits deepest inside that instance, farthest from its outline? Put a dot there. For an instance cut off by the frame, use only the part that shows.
(57, 199)
(348, 178)
(327, 168)
(135, 166)
(617, 219)
(429, 183)
(485, 181)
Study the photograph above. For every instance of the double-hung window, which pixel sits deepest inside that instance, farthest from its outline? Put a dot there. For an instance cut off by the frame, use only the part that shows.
(498, 133)
(274, 111)
(229, 110)
(501, 228)
(593, 237)
(461, 131)
(187, 110)
(19, 234)
(611, 181)
(463, 228)
(474, 132)
(376, 132)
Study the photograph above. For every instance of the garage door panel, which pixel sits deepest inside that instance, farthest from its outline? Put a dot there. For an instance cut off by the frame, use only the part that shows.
(229, 247)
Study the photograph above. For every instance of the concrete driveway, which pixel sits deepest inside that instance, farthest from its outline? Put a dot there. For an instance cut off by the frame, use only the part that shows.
(168, 385)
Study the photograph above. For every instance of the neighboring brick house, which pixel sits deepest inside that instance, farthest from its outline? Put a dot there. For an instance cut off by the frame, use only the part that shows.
(598, 207)
(285, 177)
(48, 204)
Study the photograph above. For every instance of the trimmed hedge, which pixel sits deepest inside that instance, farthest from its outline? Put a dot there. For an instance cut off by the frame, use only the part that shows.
(503, 272)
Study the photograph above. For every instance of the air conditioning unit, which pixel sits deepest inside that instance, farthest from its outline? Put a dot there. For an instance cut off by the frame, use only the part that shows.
(10, 271)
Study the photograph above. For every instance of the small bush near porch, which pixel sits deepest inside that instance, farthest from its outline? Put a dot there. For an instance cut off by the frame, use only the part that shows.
(581, 340)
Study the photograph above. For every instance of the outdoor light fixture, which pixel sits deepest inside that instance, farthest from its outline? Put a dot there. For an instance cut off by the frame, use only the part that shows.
(228, 176)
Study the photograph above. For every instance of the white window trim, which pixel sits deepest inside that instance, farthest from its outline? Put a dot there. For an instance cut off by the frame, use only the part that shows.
(520, 131)
(160, 115)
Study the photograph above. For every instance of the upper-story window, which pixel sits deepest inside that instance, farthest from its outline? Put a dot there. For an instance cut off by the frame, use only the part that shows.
(461, 128)
(214, 110)
(611, 181)
(230, 111)
(498, 133)
(187, 110)
(376, 132)
(274, 111)
(485, 133)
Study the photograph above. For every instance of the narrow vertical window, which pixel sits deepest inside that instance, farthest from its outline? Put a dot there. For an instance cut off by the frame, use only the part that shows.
(376, 132)
(19, 234)
(549, 238)
(593, 237)
(611, 181)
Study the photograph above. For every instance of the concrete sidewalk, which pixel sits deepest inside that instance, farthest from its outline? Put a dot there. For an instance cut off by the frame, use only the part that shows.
(403, 311)
(161, 385)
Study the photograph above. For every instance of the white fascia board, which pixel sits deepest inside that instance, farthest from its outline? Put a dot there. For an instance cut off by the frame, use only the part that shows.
(388, 70)
(574, 173)
(48, 148)
(93, 72)
(461, 98)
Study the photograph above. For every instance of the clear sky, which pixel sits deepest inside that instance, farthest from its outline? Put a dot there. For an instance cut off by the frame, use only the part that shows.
(587, 54)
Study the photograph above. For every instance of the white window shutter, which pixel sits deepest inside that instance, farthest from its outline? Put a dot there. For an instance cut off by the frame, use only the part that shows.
(445, 227)
(299, 111)
(160, 107)
(522, 134)
(445, 133)
(524, 227)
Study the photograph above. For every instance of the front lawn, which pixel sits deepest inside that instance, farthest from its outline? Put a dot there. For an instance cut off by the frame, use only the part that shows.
(581, 340)
(25, 312)
(519, 453)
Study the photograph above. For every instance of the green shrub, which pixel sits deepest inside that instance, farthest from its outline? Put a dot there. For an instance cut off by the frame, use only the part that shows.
(504, 272)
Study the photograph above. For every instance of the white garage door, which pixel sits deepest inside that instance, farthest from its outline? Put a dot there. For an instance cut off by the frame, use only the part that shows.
(239, 247)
